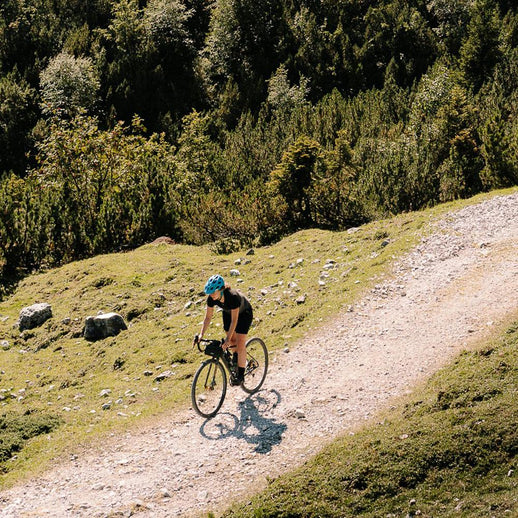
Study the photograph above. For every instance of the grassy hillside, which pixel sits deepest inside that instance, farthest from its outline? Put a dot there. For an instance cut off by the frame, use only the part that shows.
(57, 389)
(448, 450)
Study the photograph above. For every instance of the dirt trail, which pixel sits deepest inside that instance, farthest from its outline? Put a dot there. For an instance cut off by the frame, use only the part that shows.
(448, 292)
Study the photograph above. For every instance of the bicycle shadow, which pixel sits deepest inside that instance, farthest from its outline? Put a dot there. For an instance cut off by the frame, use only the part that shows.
(251, 425)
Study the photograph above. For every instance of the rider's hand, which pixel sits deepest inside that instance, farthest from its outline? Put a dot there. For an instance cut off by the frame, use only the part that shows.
(225, 345)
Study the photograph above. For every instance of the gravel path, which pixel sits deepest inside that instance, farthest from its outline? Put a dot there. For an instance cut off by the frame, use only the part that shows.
(448, 292)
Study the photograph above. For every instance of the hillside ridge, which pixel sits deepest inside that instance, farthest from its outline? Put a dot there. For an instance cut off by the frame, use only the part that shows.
(446, 294)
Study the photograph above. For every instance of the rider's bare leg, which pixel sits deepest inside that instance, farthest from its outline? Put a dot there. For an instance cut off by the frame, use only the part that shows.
(238, 344)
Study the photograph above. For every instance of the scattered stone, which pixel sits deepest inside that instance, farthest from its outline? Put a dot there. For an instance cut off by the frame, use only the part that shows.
(34, 316)
(107, 406)
(139, 505)
(148, 373)
(105, 393)
(300, 414)
(188, 304)
(164, 375)
(5, 345)
(234, 273)
(298, 262)
(301, 299)
(102, 326)
(165, 493)
(250, 252)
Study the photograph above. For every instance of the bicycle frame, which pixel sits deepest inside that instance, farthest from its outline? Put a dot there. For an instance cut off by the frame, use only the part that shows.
(218, 353)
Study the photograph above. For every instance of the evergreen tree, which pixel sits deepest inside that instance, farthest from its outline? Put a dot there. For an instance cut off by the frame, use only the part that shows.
(293, 178)
(481, 52)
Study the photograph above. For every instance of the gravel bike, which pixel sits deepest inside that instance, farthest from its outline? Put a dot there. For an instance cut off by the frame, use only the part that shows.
(209, 385)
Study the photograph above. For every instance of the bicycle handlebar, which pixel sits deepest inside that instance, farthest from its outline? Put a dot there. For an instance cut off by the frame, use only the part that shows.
(198, 341)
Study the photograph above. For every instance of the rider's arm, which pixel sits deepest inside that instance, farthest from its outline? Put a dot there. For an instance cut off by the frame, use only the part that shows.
(208, 317)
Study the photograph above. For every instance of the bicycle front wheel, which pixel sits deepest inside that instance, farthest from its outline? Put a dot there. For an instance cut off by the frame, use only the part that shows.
(256, 365)
(209, 387)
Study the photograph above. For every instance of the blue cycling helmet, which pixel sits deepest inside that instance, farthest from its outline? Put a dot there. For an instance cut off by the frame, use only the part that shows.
(214, 283)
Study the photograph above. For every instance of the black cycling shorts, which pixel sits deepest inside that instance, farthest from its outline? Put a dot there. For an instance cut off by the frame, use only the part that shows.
(243, 322)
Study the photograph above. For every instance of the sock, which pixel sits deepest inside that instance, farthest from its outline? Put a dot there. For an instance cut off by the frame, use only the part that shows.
(240, 373)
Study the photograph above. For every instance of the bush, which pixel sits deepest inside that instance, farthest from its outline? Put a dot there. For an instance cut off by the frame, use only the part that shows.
(17, 429)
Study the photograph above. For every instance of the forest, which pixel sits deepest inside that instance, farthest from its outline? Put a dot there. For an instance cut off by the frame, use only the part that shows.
(236, 122)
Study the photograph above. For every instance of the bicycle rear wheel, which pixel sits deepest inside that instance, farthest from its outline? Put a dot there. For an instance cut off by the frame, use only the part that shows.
(209, 387)
(256, 365)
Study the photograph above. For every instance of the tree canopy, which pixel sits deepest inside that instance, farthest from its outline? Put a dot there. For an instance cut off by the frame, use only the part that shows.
(238, 121)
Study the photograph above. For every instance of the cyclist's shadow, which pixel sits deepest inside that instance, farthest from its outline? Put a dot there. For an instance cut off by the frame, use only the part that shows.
(251, 424)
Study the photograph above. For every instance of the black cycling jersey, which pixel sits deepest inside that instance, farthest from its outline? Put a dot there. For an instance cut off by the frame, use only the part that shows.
(232, 299)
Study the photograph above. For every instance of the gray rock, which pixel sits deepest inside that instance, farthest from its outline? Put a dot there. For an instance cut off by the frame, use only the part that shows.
(164, 375)
(165, 493)
(300, 414)
(34, 316)
(5, 345)
(102, 326)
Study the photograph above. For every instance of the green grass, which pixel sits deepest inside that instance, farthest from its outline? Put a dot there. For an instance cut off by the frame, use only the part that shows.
(52, 374)
(449, 450)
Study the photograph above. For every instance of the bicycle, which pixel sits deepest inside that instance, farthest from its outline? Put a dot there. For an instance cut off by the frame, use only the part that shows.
(209, 385)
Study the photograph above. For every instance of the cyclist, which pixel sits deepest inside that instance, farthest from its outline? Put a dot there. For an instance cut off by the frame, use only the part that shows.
(237, 319)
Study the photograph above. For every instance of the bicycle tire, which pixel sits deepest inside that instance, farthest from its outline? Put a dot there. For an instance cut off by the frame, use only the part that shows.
(256, 365)
(209, 387)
